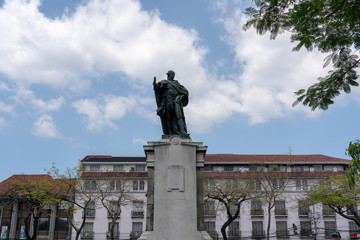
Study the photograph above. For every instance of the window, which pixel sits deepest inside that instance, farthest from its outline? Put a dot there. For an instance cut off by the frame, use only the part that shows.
(90, 210)
(318, 168)
(116, 185)
(61, 224)
(138, 211)
(277, 183)
(88, 230)
(114, 210)
(305, 228)
(90, 185)
(256, 208)
(233, 209)
(303, 211)
(94, 168)
(43, 226)
(136, 229)
(257, 229)
(63, 205)
(140, 168)
(233, 229)
(327, 211)
(351, 209)
(301, 168)
(330, 227)
(210, 228)
(209, 208)
(118, 168)
(280, 208)
(208, 168)
(256, 184)
(301, 184)
(116, 231)
(138, 185)
(282, 229)
(353, 228)
(228, 168)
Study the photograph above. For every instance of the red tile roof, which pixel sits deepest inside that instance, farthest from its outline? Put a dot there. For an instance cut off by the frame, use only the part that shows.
(17, 180)
(243, 158)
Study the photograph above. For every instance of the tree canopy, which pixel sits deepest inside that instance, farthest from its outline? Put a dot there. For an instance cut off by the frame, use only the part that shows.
(331, 26)
(335, 193)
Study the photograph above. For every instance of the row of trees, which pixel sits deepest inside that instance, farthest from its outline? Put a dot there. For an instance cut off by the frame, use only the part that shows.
(266, 187)
(68, 192)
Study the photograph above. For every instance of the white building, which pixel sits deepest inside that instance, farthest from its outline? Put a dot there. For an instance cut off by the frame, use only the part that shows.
(287, 221)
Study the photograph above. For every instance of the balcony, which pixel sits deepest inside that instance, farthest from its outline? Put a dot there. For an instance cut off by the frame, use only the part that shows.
(235, 235)
(210, 212)
(283, 234)
(135, 234)
(328, 212)
(304, 212)
(89, 213)
(305, 233)
(113, 213)
(281, 213)
(137, 214)
(116, 234)
(87, 235)
(213, 234)
(258, 233)
(257, 212)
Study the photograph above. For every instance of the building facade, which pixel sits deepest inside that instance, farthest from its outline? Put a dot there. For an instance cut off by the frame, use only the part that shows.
(52, 223)
(111, 177)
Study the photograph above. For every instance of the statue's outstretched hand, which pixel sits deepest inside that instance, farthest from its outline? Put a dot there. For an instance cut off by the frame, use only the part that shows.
(154, 81)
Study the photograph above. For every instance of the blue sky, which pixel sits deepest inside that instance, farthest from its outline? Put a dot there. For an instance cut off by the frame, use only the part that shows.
(76, 80)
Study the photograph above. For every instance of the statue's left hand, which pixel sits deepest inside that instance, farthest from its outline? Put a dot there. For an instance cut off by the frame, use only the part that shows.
(154, 81)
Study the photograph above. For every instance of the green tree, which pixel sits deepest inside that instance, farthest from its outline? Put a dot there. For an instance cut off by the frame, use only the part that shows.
(331, 26)
(37, 192)
(354, 152)
(335, 193)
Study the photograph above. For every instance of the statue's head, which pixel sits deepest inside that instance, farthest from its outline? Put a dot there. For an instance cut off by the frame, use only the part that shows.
(170, 74)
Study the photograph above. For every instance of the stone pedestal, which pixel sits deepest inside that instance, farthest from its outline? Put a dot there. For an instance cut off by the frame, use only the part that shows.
(175, 190)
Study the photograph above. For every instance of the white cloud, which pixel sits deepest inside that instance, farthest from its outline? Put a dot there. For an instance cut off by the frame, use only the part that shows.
(101, 36)
(103, 112)
(6, 108)
(271, 72)
(25, 96)
(105, 36)
(45, 127)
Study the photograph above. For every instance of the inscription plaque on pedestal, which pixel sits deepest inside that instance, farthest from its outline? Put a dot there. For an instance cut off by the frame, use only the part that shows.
(176, 178)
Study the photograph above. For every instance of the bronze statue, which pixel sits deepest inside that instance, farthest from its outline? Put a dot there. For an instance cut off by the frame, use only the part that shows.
(171, 97)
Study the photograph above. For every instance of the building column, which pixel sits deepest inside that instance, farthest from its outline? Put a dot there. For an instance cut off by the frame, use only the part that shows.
(52, 222)
(14, 220)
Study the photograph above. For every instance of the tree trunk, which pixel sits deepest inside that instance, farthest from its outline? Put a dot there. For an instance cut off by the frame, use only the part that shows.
(268, 224)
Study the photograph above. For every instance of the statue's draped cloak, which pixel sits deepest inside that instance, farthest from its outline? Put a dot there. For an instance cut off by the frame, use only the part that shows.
(169, 111)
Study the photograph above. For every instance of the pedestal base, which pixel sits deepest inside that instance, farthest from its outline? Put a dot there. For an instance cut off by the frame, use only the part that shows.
(175, 194)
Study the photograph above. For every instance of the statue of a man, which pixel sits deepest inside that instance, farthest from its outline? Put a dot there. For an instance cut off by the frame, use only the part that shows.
(171, 97)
